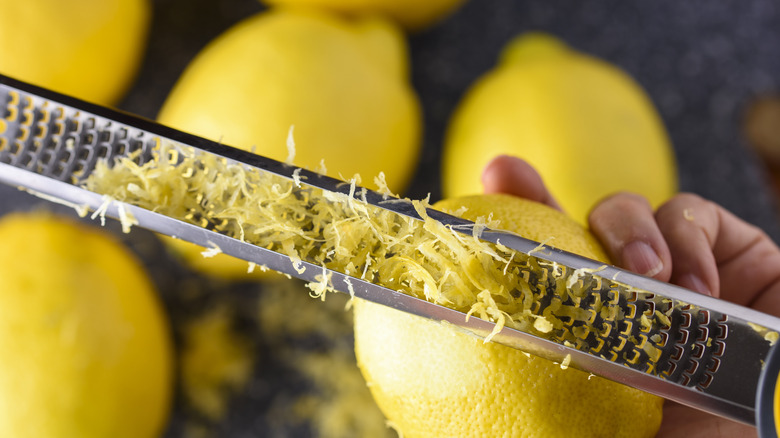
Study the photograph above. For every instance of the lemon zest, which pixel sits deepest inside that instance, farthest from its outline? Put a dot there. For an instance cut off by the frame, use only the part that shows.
(211, 251)
(126, 218)
(565, 362)
(340, 232)
(290, 146)
(81, 210)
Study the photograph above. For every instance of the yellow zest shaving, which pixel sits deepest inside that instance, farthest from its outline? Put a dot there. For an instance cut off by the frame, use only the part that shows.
(290, 146)
(211, 251)
(566, 361)
(101, 211)
(296, 176)
(543, 325)
(81, 210)
(579, 273)
(321, 169)
(539, 248)
(769, 335)
(126, 218)
(663, 319)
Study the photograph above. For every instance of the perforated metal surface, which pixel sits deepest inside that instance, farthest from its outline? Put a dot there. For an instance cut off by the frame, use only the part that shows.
(61, 142)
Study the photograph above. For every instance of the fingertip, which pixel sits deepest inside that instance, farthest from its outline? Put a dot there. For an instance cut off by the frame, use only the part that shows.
(690, 225)
(515, 176)
(497, 173)
(625, 225)
(640, 257)
(695, 283)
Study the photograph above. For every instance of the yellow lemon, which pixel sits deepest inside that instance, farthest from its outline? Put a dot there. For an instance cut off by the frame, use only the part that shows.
(585, 125)
(412, 14)
(84, 341)
(90, 49)
(342, 84)
(433, 381)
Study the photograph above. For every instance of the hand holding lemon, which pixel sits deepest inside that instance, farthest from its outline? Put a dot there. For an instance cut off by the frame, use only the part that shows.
(430, 380)
(692, 237)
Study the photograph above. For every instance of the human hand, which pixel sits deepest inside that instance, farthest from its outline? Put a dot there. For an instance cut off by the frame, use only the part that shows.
(688, 241)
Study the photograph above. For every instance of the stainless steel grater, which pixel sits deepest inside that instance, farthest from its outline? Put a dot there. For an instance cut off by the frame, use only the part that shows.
(660, 338)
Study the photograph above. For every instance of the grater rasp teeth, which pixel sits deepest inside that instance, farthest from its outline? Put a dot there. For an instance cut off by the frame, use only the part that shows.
(64, 143)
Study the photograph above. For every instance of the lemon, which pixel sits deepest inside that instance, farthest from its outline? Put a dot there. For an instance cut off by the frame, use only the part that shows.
(342, 84)
(585, 125)
(412, 14)
(433, 381)
(84, 341)
(90, 49)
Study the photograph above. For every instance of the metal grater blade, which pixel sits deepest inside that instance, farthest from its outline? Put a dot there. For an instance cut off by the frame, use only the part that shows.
(663, 339)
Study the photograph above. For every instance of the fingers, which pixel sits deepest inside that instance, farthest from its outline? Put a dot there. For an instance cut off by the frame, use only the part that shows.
(673, 244)
(691, 227)
(625, 225)
(688, 241)
(700, 246)
(747, 261)
(514, 176)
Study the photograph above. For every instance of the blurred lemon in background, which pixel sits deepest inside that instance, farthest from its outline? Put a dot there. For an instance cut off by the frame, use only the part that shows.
(84, 341)
(90, 49)
(433, 381)
(412, 14)
(342, 84)
(586, 126)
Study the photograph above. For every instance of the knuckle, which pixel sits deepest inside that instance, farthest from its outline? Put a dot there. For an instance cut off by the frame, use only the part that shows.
(684, 206)
(685, 198)
(616, 206)
(625, 202)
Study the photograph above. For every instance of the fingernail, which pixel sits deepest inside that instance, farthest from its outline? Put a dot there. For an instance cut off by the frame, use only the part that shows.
(641, 258)
(694, 283)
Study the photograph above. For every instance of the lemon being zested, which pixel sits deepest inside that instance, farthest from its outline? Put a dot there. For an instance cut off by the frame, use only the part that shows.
(585, 125)
(85, 343)
(433, 381)
(342, 84)
(90, 49)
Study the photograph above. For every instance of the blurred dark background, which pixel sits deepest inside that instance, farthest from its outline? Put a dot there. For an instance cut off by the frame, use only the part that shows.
(703, 64)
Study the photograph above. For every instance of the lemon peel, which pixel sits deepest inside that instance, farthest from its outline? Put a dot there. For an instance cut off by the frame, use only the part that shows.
(89, 338)
(527, 107)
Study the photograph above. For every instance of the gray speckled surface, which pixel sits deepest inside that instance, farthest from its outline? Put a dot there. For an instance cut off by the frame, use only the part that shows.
(700, 61)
